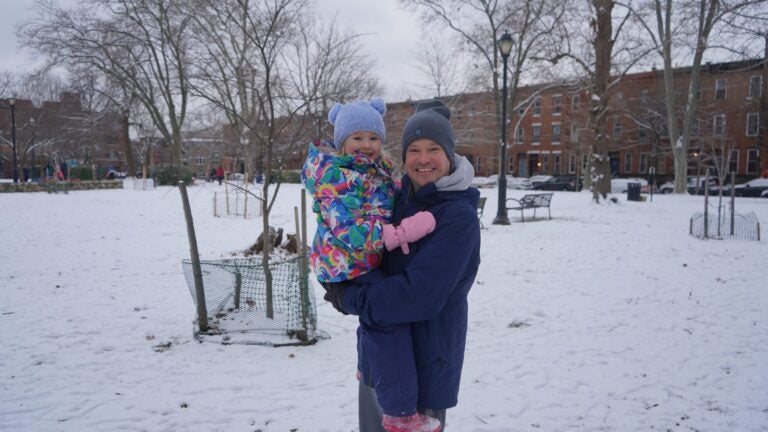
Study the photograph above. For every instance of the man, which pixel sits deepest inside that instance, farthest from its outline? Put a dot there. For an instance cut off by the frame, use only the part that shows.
(427, 287)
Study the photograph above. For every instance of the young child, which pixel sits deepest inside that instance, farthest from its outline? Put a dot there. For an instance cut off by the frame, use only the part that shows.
(353, 193)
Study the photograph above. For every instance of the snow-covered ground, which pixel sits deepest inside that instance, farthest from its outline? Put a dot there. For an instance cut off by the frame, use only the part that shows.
(608, 317)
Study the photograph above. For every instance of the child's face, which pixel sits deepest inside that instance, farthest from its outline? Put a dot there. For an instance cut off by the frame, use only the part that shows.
(367, 143)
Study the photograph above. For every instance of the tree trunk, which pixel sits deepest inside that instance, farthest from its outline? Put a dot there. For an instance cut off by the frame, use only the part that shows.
(601, 167)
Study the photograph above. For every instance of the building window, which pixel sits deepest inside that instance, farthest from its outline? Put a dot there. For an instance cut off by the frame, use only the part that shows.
(199, 160)
(520, 135)
(511, 164)
(556, 133)
(718, 125)
(216, 157)
(733, 162)
(753, 123)
(537, 106)
(752, 156)
(557, 102)
(544, 168)
(617, 128)
(556, 161)
(643, 163)
(584, 162)
(536, 134)
(661, 165)
(755, 86)
(720, 89)
(521, 110)
(574, 132)
(572, 164)
(627, 163)
(575, 103)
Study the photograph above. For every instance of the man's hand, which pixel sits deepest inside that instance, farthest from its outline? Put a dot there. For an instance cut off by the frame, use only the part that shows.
(334, 293)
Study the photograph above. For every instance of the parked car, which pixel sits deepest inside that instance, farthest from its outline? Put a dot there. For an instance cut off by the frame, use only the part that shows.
(693, 189)
(534, 180)
(557, 183)
(667, 188)
(619, 185)
(752, 188)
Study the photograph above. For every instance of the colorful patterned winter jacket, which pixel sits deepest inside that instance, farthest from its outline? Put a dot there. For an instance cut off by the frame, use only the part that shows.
(353, 196)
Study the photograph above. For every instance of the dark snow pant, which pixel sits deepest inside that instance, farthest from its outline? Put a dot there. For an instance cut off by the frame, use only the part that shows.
(369, 411)
(393, 367)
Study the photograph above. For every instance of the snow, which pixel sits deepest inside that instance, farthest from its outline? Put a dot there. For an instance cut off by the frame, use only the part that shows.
(609, 317)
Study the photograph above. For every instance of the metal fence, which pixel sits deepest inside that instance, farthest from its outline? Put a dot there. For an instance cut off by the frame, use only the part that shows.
(723, 226)
(238, 301)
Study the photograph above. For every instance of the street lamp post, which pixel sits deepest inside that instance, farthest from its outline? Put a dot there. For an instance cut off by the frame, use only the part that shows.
(12, 103)
(505, 47)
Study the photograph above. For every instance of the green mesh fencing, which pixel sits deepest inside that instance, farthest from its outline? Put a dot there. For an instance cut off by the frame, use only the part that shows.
(237, 302)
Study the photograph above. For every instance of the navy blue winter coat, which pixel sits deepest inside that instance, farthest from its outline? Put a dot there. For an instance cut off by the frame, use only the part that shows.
(427, 288)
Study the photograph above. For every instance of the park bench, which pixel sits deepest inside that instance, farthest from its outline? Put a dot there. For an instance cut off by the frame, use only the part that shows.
(480, 208)
(532, 201)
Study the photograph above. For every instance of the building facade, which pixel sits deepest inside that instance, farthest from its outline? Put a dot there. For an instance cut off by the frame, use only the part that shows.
(549, 131)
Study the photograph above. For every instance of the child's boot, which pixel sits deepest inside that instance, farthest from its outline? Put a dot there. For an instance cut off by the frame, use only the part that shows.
(413, 423)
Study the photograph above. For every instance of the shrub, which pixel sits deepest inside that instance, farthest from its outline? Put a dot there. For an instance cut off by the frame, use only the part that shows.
(171, 175)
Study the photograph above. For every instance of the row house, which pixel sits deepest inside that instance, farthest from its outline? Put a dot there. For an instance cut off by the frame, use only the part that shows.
(549, 131)
(58, 134)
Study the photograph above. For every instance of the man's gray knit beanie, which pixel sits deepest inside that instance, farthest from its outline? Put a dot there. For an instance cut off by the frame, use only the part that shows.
(431, 121)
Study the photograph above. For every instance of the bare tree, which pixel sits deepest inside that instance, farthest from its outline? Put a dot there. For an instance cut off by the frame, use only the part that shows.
(688, 29)
(139, 44)
(272, 71)
(533, 25)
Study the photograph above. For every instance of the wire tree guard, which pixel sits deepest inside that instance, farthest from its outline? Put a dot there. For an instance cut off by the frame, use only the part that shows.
(719, 221)
(235, 304)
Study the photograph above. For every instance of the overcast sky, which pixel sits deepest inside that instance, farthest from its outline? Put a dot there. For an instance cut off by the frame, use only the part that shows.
(391, 37)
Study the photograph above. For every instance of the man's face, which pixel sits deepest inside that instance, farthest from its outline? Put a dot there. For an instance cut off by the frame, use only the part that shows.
(426, 162)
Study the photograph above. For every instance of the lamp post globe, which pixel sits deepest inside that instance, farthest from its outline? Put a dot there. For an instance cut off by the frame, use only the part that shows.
(504, 44)
(12, 103)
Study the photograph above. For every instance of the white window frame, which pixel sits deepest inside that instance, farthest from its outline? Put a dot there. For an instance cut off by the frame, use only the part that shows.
(721, 87)
(572, 164)
(533, 135)
(752, 159)
(556, 163)
(556, 139)
(644, 163)
(574, 132)
(557, 105)
(717, 121)
(575, 103)
(750, 117)
(618, 128)
(733, 163)
(537, 106)
(520, 135)
(627, 163)
(755, 87)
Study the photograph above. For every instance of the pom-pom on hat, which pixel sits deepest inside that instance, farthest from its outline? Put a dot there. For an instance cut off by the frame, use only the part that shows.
(430, 121)
(357, 116)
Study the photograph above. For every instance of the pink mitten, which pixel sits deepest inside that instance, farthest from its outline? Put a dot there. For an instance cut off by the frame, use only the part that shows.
(411, 229)
(417, 226)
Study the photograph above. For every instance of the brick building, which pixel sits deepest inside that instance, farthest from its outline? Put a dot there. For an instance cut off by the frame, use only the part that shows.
(56, 133)
(548, 131)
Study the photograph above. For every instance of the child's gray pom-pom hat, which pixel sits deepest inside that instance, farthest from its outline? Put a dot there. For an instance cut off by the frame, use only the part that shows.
(357, 116)
(431, 121)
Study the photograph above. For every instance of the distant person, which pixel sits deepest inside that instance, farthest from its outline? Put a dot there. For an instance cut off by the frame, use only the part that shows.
(220, 174)
(353, 191)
